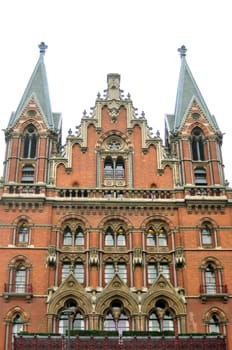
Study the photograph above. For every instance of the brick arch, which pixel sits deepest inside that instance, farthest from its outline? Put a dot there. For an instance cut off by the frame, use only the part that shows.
(19, 258)
(215, 311)
(172, 300)
(21, 218)
(161, 218)
(58, 301)
(39, 128)
(118, 133)
(210, 260)
(205, 129)
(61, 222)
(16, 310)
(128, 302)
(205, 219)
(109, 218)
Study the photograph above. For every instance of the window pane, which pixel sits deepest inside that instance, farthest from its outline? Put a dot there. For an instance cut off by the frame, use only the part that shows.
(67, 237)
(153, 323)
(109, 272)
(20, 280)
(122, 272)
(23, 234)
(65, 270)
(79, 237)
(150, 240)
(79, 272)
(206, 236)
(164, 268)
(152, 273)
(121, 240)
(162, 239)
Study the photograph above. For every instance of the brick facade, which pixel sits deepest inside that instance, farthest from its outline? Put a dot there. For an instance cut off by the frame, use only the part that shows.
(128, 231)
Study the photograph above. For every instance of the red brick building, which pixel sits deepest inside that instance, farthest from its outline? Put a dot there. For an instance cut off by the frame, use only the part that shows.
(129, 231)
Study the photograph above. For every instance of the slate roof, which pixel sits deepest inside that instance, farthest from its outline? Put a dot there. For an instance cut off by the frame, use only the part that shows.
(37, 88)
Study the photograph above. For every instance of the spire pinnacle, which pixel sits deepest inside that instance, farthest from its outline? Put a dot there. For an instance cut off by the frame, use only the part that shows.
(42, 48)
(182, 50)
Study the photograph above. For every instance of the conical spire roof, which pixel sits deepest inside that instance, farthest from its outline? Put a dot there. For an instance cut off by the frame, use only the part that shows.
(188, 91)
(37, 88)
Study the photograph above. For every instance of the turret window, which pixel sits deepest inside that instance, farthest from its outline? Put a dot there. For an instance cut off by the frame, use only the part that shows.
(28, 174)
(114, 169)
(30, 142)
(200, 177)
(197, 145)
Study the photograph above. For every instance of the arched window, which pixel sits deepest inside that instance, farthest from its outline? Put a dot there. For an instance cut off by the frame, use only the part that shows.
(67, 239)
(119, 168)
(109, 237)
(214, 324)
(79, 236)
(156, 236)
(108, 168)
(215, 321)
(28, 174)
(70, 317)
(116, 318)
(114, 169)
(161, 317)
(17, 325)
(208, 236)
(30, 139)
(210, 279)
(197, 144)
(22, 233)
(115, 236)
(20, 279)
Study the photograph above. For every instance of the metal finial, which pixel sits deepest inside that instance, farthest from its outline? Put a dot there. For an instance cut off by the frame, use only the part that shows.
(182, 50)
(42, 47)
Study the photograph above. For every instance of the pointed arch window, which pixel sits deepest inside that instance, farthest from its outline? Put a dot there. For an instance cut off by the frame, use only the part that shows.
(30, 140)
(116, 318)
(119, 168)
(108, 168)
(73, 319)
(214, 324)
(197, 144)
(79, 272)
(17, 325)
(210, 279)
(66, 269)
(115, 237)
(157, 236)
(22, 233)
(79, 236)
(161, 317)
(208, 236)
(114, 169)
(67, 238)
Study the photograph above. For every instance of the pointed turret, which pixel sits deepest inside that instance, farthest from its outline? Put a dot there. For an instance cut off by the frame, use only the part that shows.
(37, 89)
(187, 93)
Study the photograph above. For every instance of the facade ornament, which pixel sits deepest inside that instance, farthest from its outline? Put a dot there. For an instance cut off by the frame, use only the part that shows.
(94, 258)
(51, 257)
(179, 257)
(137, 257)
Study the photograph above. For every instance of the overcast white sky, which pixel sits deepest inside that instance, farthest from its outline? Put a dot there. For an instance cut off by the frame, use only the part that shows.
(138, 39)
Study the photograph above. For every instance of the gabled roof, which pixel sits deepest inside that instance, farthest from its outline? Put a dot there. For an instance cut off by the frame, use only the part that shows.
(187, 92)
(37, 88)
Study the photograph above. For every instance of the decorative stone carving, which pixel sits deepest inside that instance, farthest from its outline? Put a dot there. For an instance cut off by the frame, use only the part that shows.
(94, 258)
(179, 257)
(51, 258)
(137, 257)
